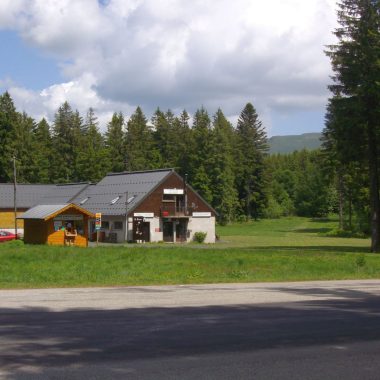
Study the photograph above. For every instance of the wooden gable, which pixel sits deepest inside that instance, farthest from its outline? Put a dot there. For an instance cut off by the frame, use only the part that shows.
(153, 202)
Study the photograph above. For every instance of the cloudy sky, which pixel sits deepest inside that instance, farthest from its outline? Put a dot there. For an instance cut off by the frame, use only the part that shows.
(113, 55)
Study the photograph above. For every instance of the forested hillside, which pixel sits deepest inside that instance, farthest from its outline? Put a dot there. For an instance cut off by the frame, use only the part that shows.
(291, 143)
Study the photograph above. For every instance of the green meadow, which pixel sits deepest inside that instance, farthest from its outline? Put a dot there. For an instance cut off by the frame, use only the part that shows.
(287, 249)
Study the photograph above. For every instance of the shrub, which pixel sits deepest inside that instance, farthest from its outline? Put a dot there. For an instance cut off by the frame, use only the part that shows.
(200, 237)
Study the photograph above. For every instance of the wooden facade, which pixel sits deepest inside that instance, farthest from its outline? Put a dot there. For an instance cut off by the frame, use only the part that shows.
(7, 218)
(47, 231)
(154, 201)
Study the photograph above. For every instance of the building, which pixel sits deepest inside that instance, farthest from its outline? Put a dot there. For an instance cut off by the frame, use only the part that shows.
(28, 195)
(141, 206)
(47, 224)
(148, 206)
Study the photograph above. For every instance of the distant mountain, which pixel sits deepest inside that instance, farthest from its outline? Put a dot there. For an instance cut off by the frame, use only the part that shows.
(288, 144)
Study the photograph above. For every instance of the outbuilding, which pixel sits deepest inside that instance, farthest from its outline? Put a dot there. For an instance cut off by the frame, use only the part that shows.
(65, 224)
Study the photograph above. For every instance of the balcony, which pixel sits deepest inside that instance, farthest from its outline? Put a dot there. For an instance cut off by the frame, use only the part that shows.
(171, 209)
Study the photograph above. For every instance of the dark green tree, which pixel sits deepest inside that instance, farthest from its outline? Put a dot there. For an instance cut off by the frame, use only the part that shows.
(222, 169)
(140, 148)
(42, 152)
(8, 119)
(355, 61)
(251, 150)
(114, 140)
(63, 144)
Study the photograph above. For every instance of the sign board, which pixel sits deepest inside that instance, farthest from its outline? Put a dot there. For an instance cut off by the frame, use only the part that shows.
(202, 214)
(98, 220)
(144, 214)
(68, 217)
(173, 191)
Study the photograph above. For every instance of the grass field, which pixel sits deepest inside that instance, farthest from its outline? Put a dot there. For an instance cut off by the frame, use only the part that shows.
(287, 249)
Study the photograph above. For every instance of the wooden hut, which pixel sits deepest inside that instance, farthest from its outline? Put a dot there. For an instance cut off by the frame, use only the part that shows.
(65, 224)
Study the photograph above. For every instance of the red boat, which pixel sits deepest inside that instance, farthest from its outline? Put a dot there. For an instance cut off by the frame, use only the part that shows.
(6, 236)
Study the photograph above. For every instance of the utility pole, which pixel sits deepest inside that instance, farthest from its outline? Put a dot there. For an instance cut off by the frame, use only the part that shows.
(15, 192)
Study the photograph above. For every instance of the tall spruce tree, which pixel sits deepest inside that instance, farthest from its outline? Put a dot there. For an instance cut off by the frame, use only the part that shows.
(222, 169)
(114, 140)
(63, 144)
(355, 61)
(43, 152)
(140, 149)
(23, 145)
(251, 149)
(92, 163)
(8, 120)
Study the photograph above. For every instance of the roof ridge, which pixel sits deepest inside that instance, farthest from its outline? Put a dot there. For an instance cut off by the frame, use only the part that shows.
(140, 171)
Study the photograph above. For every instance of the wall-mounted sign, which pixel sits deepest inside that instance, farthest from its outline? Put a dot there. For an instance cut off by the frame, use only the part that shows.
(64, 217)
(201, 214)
(144, 214)
(98, 220)
(173, 191)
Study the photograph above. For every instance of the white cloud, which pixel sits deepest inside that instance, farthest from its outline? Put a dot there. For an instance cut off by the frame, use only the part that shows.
(179, 54)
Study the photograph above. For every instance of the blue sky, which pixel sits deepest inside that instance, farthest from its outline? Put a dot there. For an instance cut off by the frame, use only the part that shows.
(114, 55)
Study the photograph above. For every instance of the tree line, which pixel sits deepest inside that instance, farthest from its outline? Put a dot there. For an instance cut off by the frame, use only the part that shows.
(229, 166)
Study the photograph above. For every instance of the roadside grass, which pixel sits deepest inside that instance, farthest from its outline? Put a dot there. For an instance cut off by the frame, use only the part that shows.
(288, 249)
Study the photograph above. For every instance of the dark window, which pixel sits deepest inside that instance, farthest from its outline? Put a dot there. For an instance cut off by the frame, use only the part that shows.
(168, 198)
(117, 225)
(105, 224)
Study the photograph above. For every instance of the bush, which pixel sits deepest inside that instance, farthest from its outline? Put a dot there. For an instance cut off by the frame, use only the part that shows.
(200, 237)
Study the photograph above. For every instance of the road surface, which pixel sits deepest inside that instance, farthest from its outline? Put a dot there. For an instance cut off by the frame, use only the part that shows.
(305, 330)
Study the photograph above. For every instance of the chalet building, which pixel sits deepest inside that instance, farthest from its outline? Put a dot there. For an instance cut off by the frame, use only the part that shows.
(147, 206)
(28, 195)
(142, 206)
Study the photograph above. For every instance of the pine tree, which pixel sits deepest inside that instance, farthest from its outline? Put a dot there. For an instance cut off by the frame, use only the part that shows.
(185, 143)
(8, 119)
(43, 152)
(199, 156)
(251, 150)
(114, 140)
(92, 163)
(63, 143)
(355, 61)
(23, 145)
(221, 169)
(140, 149)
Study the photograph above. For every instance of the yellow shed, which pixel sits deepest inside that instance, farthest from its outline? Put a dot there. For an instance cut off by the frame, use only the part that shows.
(65, 224)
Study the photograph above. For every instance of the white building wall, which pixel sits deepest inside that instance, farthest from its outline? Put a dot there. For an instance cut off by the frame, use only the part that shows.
(119, 232)
(198, 224)
(156, 233)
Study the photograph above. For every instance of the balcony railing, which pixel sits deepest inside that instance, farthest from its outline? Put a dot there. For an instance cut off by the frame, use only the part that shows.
(172, 210)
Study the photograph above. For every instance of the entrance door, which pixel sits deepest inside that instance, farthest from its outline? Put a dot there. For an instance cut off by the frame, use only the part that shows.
(181, 231)
(168, 232)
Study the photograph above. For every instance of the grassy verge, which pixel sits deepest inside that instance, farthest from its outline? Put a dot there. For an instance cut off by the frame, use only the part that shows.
(272, 250)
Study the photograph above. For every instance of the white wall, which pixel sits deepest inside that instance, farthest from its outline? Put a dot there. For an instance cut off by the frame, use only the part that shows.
(202, 225)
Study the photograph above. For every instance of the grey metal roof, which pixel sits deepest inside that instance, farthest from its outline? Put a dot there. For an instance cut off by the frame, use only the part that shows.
(41, 211)
(123, 185)
(27, 194)
(64, 193)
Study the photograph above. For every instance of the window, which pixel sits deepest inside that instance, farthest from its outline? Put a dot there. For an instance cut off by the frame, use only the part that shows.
(131, 199)
(115, 200)
(117, 225)
(168, 198)
(105, 224)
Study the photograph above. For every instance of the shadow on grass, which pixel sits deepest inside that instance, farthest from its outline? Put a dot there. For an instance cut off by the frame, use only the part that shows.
(40, 339)
(313, 230)
(311, 249)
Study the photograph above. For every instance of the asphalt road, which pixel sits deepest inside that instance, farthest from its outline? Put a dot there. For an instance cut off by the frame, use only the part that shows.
(314, 330)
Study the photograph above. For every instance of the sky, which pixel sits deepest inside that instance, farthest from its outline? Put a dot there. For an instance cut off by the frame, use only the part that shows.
(115, 55)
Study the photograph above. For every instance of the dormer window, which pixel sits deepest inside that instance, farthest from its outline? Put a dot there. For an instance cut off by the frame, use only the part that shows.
(83, 201)
(115, 200)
